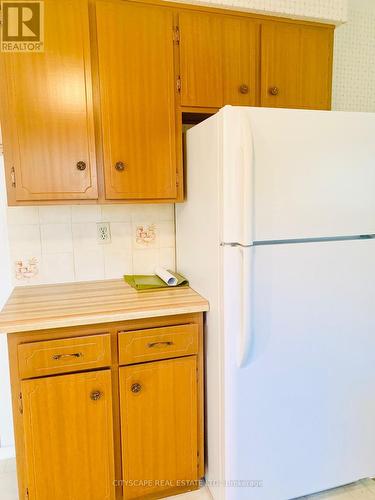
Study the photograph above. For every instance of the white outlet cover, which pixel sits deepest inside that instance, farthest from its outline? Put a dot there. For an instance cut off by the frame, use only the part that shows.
(104, 232)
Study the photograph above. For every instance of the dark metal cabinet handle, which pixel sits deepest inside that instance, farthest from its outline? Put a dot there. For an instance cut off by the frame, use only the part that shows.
(57, 357)
(96, 395)
(136, 388)
(120, 166)
(274, 90)
(244, 89)
(155, 344)
(81, 165)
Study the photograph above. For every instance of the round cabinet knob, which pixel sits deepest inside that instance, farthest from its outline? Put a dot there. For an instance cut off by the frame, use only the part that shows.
(274, 91)
(81, 165)
(136, 388)
(244, 89)
(120, 166)
(95, 395)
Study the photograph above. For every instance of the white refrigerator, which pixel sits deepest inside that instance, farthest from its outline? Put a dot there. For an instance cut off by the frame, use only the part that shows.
(278, 232)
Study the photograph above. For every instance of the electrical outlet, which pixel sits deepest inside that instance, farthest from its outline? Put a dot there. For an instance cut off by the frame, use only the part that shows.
(104, 232)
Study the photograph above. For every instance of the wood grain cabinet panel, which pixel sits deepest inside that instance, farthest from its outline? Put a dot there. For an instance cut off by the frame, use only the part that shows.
(201, 59)
(157, 343)
(219, 60)
(159, 426)
(137, 95)
(47, 113)
(68, 436)
(240, 61)
(51, 357)
(296, 66)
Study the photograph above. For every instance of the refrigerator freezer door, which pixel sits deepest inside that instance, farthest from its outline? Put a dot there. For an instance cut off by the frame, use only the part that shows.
(300, 410)
(295, 174)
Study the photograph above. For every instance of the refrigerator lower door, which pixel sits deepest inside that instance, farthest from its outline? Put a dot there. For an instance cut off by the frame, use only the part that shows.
(299, 335)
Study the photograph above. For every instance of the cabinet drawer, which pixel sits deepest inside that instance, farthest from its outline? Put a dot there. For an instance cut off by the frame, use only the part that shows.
(50, 357)
(157, 343)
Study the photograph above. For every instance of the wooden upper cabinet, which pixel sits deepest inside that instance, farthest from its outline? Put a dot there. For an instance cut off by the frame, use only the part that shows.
(201, 63)
(296, 66)
(137, 97)
(47, 113)
(159, 430)
(218, 60)
(240, 61)
(68, 436)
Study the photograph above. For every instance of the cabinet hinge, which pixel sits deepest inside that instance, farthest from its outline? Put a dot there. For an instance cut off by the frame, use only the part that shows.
(178, 84)
(13, 177)
(176, 35)
(20, 403)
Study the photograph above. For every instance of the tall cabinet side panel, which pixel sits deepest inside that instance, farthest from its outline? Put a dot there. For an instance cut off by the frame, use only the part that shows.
(199, 258)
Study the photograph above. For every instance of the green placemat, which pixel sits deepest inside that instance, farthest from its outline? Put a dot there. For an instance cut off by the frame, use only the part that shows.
(150, 282)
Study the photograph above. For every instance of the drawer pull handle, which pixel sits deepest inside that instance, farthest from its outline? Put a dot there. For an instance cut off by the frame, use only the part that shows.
(155, 344)
(57, 357)
(95, 395)
(136, 388)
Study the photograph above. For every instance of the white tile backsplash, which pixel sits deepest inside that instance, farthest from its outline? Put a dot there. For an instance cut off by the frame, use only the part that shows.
(86, 213)
(57, 268)
(117, 262)
(85, 235)
(55, 215)
(24, 240)
(56, 238)
(116, 213)
(144, 260)
(63, 242)
(89, 264)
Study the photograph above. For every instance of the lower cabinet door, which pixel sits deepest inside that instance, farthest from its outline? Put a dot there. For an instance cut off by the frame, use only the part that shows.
(69, 437)
(159, 427)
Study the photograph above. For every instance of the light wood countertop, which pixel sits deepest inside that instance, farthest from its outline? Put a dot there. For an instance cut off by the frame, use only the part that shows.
(72, 304)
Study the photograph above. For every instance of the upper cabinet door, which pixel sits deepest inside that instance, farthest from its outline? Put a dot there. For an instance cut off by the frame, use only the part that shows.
(46, 111)
(201, 61)
(241, 41)
(137, 94)
(219, 60)
(296, 66)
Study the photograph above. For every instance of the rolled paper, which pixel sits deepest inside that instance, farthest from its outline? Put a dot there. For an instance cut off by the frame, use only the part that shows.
(166, 276)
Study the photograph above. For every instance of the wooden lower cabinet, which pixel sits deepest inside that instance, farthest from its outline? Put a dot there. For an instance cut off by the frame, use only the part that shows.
(95, 421)
(69, 437)
(159, 426)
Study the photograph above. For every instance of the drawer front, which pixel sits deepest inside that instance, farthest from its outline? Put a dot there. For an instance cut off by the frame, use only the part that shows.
(157, 343)
(37, 359)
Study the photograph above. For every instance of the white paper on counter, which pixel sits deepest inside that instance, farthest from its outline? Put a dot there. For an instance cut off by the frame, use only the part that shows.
(166, 276)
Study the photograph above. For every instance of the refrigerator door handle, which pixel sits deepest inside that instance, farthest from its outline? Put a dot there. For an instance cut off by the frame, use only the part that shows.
(246, 328)
(248, 161)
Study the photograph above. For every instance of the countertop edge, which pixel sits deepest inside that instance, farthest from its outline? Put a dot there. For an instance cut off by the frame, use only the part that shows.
(100, 319)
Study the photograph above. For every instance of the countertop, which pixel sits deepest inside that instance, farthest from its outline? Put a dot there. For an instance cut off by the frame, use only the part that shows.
(72, 304)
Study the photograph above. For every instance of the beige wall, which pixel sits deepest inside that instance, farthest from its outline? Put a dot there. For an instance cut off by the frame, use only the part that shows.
(331, 11)
(354, 59)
